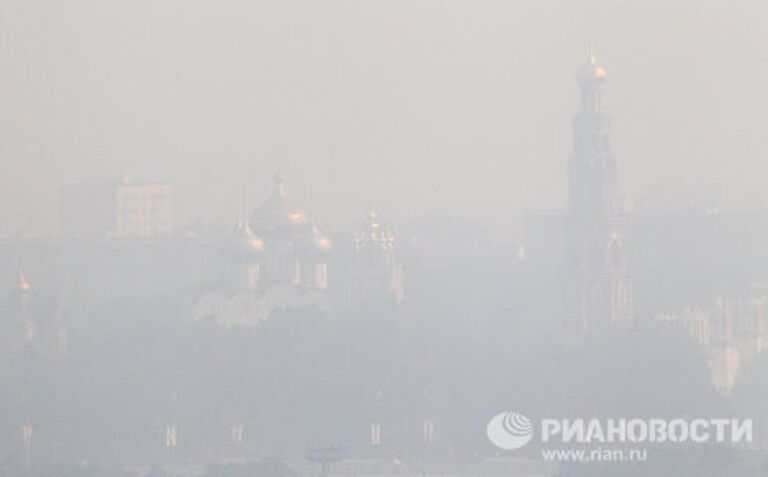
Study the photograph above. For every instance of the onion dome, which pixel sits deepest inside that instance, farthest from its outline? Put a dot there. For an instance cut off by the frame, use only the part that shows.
(591, 71)
(242, 245)
(312, 243)
(278, 215)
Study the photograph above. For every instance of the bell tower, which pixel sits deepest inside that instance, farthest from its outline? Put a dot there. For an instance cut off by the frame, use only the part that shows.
(599, 286)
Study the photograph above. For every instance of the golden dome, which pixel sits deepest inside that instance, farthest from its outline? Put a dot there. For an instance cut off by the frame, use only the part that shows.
(242, 244)
(23, 285)
(278, 213)
(591, 71)
(313, 243)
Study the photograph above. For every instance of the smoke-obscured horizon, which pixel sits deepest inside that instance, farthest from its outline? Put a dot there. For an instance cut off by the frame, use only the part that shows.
(417, 108)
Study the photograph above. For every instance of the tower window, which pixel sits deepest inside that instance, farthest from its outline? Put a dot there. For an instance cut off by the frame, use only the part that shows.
(623, 296)
(597, 297)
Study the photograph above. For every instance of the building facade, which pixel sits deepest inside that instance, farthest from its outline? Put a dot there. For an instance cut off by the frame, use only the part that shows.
(376, 274)
(121, 208)
(731, 332)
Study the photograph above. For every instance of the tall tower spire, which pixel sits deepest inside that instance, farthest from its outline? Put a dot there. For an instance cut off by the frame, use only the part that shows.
(599, 288)
(591, 77)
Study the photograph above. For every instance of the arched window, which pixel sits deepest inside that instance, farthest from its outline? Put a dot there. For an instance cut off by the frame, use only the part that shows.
(616, 255)
(622, 296)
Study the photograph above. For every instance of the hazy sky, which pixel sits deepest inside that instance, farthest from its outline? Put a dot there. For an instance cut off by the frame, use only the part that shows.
(417, 106)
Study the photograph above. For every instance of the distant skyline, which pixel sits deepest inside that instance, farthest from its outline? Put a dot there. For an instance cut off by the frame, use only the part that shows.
(416, 108)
